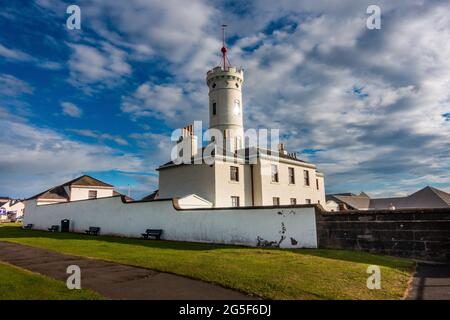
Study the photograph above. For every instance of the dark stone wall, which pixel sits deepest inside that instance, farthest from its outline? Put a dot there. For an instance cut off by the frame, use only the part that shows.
(414, 233)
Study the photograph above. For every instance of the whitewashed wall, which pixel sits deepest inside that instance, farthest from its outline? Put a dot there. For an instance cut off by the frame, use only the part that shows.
(227, 226)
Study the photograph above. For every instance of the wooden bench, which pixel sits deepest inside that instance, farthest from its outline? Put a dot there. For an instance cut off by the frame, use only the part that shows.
(28, 226)
(155, 233)
(53, 228)
(93, 230)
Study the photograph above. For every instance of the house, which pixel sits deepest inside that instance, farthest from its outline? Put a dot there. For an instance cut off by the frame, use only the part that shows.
(81, 188)
(237, 175)
(427, 197)
(11, 209)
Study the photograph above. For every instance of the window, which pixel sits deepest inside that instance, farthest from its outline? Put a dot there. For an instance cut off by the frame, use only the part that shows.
(214, 108)
(274, 173)
(237, 107)
(317, 184)
(92, 194)
(306, 177)
(276, 201)
(234, 201)
(293, 201)
(234, 173)
(291, 175)
(214, 85)
(308, 201)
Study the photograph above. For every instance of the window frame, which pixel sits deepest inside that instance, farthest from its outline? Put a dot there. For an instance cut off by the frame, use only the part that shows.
(306, 178)
(293, 201)
(276, 201)
(235, 201)
(95, 193)
(231, 174)
(293, 175)
(274, 175)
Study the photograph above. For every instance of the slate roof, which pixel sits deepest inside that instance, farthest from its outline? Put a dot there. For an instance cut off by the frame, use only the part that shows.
(59, 192)
(361, 201)
(427, 197)
(152, 196)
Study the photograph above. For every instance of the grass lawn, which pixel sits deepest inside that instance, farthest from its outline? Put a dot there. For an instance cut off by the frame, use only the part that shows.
(17, 283)
(267, 273)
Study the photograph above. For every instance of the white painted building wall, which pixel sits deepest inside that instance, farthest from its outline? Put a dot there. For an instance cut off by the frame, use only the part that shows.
(226, 226)
(82, 192)
(266, 189)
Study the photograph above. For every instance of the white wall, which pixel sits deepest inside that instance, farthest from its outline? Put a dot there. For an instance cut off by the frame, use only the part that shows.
(179, 181)
(227, 226)
(265, 189)
(82, 193)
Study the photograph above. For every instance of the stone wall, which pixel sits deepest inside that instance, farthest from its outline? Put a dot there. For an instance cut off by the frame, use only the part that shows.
(414, 233)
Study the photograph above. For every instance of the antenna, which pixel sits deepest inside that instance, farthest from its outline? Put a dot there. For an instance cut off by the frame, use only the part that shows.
(224, 48)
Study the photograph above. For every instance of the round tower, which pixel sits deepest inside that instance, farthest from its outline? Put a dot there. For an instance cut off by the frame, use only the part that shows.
(225, 101)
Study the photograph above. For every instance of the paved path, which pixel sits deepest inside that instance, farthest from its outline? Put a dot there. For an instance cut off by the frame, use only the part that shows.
(112, 280)
(431, 282)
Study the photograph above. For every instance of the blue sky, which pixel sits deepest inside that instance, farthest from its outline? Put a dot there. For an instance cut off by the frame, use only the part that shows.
(369, 107)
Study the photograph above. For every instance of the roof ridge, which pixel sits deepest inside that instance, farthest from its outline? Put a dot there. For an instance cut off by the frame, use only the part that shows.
(440, 194)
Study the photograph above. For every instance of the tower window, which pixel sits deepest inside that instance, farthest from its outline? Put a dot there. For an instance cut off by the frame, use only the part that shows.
(317, 184)
(237, 85)
(214, 85)
(237, 107)
(214, 108)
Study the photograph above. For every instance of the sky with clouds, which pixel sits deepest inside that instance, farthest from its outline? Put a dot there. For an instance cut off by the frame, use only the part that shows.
(370, 107)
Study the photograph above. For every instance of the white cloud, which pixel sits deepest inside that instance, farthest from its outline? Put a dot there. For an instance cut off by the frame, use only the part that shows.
(100, 136)
(14, 54)
(71, 110)
(104, 66)
(38, 158)
(11, 86)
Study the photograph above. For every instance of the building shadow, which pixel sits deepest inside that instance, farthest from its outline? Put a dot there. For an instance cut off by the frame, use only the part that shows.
(13, 232)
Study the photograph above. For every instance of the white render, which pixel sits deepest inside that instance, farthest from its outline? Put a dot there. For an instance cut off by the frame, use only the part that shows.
(82, 192)
(213, 183)
(239, 226)
(193, 201)
(225, 89)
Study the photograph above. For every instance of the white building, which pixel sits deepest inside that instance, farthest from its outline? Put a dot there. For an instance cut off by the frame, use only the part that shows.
(241, 176)
(11, 209)
(81, 188)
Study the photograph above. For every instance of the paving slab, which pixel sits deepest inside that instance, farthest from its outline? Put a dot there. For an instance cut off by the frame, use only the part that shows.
(113, 280)
(431, 282)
